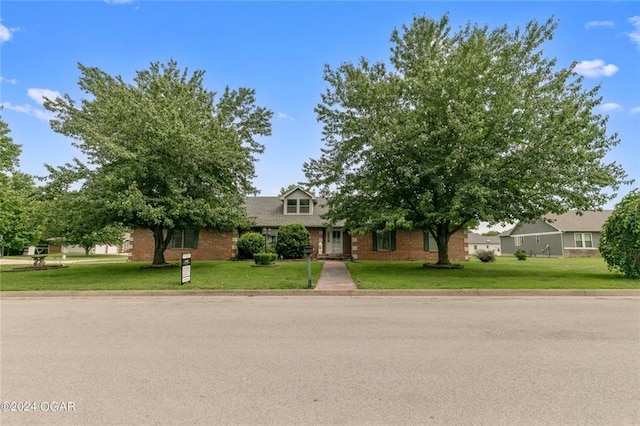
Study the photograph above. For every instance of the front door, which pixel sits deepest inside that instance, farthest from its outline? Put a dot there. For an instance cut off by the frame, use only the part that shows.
(334, 241)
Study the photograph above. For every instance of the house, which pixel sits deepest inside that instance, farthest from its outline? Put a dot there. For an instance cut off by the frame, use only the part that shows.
(297, 205)
(55, 248)
(477, 242)
(565, 235)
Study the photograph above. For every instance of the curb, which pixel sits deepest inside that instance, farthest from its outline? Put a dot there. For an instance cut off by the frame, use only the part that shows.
(324, 293)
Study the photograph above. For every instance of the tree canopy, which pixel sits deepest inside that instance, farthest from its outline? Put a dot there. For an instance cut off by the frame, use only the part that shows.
(460, 127)
(73, 218)
(164, 153)
(19, 208)
(620, 241)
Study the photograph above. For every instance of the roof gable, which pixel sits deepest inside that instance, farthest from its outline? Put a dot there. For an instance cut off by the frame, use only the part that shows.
(298, 192)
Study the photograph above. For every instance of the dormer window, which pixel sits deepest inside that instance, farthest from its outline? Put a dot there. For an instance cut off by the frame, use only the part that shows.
(298, 201)
(292, 206)
(303, 206)
(298, 206)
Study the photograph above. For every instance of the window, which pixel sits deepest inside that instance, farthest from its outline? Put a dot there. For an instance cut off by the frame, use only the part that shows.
(298, 206)
(583, 240)
(184, 238)
(537, 239)
(519, 241)
(304, 206)
(292, 206)
(385, 241)
(429, 243)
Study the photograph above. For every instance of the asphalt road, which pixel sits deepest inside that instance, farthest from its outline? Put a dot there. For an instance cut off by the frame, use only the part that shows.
(334, 360)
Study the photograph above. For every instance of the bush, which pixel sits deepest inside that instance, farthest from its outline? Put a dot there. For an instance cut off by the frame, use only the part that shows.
(620, 241)
(250, 244)
(264, 258)
(520, 255)
(291, 241)
(486, 255)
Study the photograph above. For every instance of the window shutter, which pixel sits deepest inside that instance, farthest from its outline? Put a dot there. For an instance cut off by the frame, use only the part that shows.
(393, 240)
(425, 240)
(374, 237)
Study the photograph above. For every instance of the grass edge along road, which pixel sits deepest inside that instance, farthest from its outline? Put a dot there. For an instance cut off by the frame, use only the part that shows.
(215, 275)
(505, 273)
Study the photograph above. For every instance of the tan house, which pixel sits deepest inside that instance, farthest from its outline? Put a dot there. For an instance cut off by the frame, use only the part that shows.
(477, 242)
(328, 240)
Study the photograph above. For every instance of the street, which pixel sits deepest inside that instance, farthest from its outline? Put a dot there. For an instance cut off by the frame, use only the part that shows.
(320, 360)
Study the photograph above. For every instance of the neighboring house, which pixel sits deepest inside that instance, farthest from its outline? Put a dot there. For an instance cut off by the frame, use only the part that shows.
(268, 214)
(565, 235)
(482, 242)
(97, 249)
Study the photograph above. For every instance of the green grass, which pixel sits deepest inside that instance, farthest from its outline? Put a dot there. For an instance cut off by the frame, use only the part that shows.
(221, 275)
(504, 273)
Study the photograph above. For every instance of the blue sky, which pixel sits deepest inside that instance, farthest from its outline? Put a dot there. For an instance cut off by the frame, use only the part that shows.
(279, 49)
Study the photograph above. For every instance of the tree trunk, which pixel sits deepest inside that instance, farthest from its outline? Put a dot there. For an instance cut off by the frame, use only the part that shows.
(160, 245)
(442, 240)
(86, 250)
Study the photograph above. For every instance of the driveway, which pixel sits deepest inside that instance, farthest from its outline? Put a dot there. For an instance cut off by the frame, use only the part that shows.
(365, 360)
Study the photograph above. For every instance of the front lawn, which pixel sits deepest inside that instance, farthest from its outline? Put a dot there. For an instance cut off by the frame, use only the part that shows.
(219, 275)
(504, 273)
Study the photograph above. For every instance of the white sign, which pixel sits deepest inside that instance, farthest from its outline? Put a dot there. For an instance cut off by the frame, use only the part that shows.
(185, 268)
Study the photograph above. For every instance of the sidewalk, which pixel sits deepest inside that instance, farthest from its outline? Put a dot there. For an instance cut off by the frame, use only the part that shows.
(335, 277)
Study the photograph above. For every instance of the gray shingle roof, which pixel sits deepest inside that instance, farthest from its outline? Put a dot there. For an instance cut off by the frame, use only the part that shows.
(268, 211)
(570, 221)
(474, 238)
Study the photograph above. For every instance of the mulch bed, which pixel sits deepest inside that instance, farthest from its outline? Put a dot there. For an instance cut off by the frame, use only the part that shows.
(436, 266)
(32, 268)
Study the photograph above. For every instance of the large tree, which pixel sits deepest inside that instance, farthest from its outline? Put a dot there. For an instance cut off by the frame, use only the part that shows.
(164, 153)
(620, 242)
(473, 125)
(19, 206)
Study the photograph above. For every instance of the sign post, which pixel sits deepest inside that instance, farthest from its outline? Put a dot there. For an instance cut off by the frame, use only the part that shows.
(307, 250)
(185, 268)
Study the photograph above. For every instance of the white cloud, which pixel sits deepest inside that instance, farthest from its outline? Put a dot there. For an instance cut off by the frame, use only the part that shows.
(8, 80)
(282, 116)
(635, 34)
(595, 68)
(635, 110)
(610, 106)
(594, 24)
(29, 110)
(6, 33)
(118, 1)
(38, 95)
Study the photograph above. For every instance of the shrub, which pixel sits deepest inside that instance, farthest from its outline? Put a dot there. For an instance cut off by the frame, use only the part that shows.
(291, 240)
(620, 242)
(250, 244)
(486, 255)
(264, 258)
(520, 255)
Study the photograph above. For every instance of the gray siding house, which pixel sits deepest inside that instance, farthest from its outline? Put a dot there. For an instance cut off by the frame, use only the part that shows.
(565, 235)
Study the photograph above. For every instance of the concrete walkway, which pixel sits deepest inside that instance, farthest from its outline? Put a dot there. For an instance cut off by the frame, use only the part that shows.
(335, 277)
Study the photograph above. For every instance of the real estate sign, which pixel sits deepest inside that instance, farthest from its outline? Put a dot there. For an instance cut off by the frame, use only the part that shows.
(185, 268)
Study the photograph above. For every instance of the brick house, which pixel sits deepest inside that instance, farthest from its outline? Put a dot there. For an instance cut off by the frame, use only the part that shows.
(328, 241)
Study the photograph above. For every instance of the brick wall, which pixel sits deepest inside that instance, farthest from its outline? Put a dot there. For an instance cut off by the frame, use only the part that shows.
(212, 245)
(409, 246)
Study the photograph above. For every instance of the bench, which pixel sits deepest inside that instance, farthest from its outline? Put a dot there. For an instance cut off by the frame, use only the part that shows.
(38, 260)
